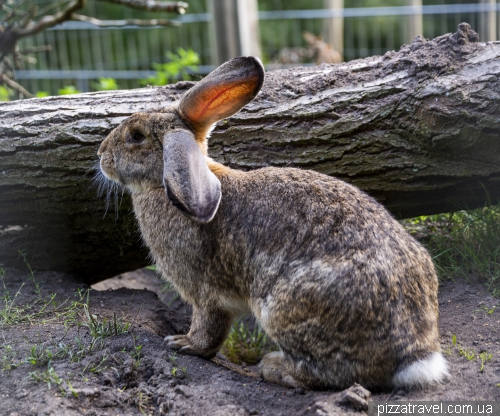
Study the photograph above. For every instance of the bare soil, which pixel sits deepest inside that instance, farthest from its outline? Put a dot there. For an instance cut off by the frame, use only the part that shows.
(113, 379)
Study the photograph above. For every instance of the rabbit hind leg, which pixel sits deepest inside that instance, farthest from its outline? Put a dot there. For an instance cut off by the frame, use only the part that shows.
(273, 368)
(279, 368)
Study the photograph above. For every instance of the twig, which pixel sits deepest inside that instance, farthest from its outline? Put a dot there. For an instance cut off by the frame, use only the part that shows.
(28, 59)
(153, 5)
(234, 367)
(14, 85)
(36, 49)
(127, 22)
(47, 22)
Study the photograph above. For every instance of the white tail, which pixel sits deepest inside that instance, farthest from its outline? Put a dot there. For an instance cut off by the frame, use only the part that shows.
(431, 370)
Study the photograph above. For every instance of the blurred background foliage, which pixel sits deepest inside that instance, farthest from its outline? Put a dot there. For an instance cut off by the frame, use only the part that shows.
(131, 57)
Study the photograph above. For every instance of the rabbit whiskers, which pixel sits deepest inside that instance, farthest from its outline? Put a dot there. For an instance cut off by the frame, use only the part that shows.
(111, 189)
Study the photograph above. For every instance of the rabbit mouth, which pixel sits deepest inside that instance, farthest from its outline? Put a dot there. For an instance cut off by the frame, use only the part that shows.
(106, 167)
(109, 176)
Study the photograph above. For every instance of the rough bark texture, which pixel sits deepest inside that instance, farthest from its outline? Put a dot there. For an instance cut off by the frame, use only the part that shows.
(418, 129)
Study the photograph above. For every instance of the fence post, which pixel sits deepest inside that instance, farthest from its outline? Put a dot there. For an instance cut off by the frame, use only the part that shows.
(234, 29)
(488, 23)
(335, 27)
(248, 20)
(416, 25)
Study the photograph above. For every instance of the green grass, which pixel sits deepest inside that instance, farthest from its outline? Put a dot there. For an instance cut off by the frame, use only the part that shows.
(103, 328)
(8, 358)
(484, 357)
(44, 309)
(463, 244)
(96, 367)
(469, 354)
(47, 309)
(245, 346)
(39, 355)
(48, 376)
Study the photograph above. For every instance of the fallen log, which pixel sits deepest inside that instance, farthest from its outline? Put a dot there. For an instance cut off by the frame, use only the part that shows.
(419, 129)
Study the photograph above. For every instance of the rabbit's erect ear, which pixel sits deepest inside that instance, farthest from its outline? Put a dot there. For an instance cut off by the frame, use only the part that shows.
(223, 92)
(188, 181)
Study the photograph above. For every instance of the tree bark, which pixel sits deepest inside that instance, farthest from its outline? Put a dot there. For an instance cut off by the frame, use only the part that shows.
(418, 129)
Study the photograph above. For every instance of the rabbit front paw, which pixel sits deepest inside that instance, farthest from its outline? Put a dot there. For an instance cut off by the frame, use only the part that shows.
(182, 344)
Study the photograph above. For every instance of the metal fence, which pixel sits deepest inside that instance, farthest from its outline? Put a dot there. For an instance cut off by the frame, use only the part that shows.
(82, 53)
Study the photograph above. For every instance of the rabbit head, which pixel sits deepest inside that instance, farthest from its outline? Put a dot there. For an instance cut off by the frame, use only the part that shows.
(168, 147)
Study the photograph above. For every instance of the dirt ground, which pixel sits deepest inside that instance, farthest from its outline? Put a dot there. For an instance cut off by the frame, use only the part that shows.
(135, 373)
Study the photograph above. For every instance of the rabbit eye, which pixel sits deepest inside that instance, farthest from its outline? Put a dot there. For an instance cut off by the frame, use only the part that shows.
(136, 137)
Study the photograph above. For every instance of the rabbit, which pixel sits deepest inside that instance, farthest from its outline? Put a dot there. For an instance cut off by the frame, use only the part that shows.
(344, 291)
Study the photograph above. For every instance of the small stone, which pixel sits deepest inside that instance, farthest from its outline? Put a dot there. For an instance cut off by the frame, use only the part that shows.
(184, 391)
(355, 397)
(351, 399)
(21, 393)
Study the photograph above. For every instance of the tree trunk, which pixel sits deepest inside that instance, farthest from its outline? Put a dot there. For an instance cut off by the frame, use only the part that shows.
(418, 129)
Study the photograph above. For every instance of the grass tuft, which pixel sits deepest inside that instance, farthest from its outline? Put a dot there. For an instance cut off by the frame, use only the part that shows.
(7, 362)
(245, 346)
(463, 244)
(48, 376)
(104, 328)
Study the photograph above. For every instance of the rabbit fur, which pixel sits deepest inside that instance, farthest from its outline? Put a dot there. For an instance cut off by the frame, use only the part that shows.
(346, 293)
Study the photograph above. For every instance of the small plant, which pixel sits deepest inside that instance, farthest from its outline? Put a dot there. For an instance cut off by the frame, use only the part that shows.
(10, 313)
(448, 350)
(98, 367)
(71, 389)
(243, 345)
(136, 355)
(179, 372)
(141, 401)
(106, 84)
(468, 244)
(39, 355)
(175, 69)
(45, 309)
(8, 357)
(48, 376)
(31, 275)
(488, 310)
(469, 354)
(42, 94)
(484, 357)
(5, 93)
(105, 328)
(68, 90)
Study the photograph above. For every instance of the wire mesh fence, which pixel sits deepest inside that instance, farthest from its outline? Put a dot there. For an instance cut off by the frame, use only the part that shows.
(82, 53)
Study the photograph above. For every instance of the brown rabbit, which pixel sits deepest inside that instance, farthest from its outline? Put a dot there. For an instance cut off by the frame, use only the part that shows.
(330, 275)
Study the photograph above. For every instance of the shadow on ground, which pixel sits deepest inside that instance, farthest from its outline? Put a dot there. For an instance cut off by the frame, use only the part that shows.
(105, 355)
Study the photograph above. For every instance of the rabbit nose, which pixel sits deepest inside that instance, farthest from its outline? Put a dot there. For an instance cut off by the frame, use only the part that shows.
(102, 148)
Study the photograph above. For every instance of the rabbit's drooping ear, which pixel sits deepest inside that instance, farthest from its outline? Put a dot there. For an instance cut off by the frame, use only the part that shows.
(188, 181)
(222, 93)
